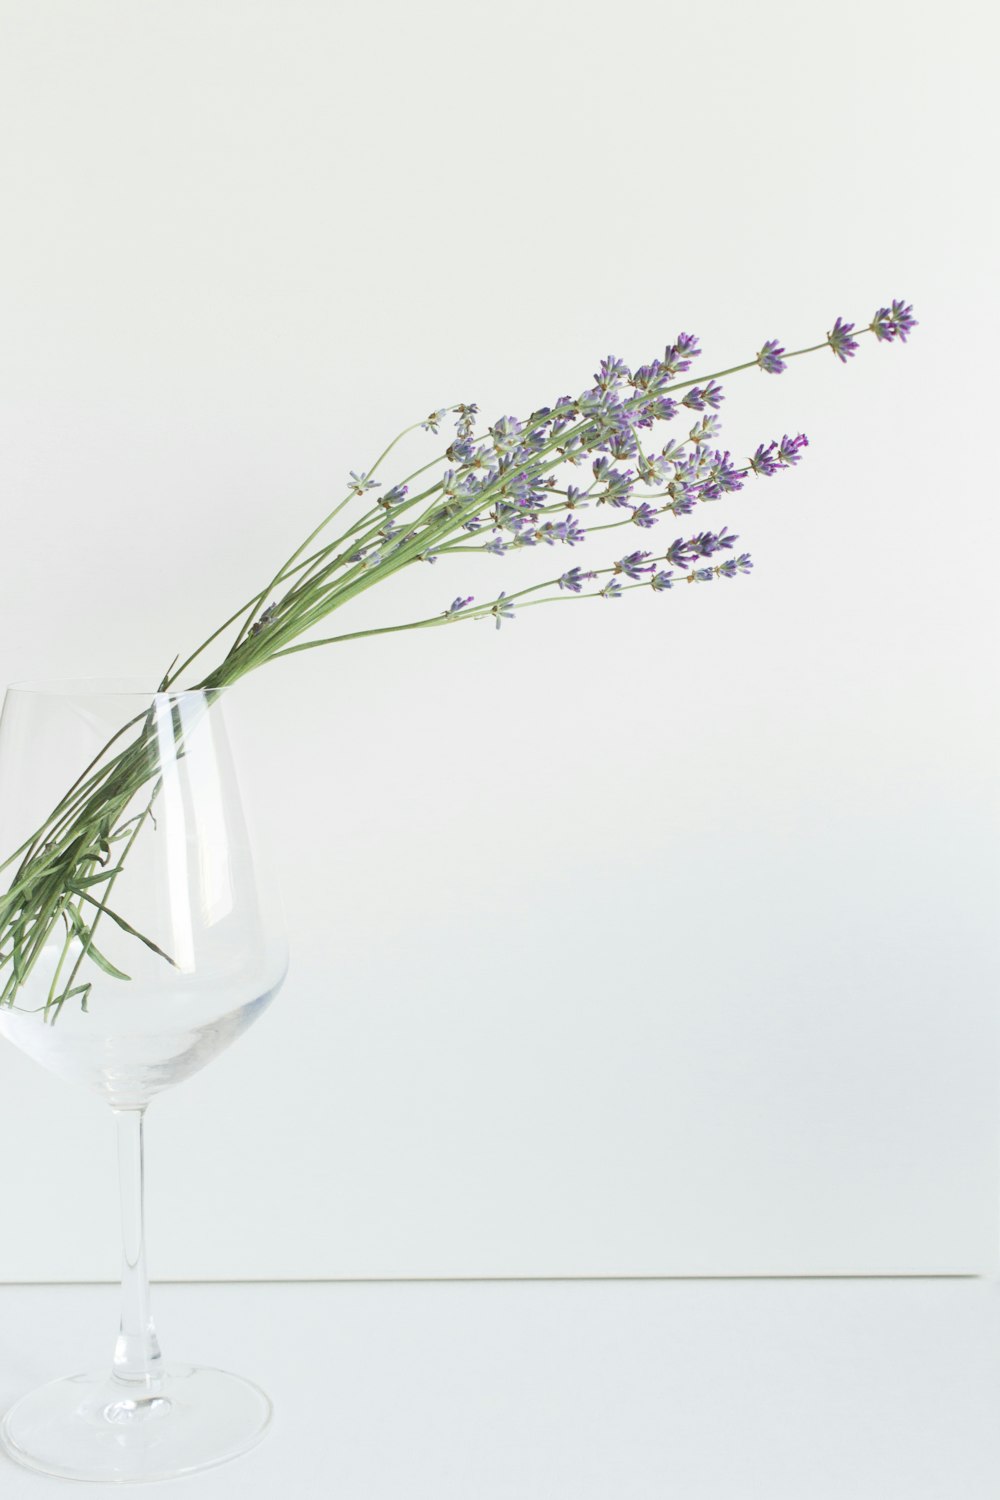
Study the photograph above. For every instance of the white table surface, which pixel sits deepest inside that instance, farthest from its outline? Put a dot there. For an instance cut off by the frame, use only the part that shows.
(614, 1390)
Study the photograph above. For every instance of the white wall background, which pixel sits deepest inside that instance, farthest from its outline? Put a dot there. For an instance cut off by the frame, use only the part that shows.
(654, 940)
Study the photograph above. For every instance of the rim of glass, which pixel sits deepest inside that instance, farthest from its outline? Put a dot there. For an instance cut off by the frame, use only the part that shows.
(105, 687)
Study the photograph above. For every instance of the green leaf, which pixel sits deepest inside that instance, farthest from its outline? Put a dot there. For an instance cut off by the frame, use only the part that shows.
(81, 881)
(56, 1005)
(90, 948)
(132, 931)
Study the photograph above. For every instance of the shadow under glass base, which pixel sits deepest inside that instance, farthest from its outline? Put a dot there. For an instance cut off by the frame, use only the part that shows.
(99, 1428)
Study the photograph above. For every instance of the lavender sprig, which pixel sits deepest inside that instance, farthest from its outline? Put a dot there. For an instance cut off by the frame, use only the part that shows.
(516, 484)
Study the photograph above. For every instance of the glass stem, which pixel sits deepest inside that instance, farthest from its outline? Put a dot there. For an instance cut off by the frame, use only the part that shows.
(137, 1358)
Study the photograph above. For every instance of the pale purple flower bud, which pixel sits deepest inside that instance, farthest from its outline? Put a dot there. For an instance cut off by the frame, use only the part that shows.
(502, 610)
(612, 371)
(359, 483)
(505, 433)
(707, 428)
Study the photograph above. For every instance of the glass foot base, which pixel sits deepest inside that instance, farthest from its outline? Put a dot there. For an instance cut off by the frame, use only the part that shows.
(96, 1427)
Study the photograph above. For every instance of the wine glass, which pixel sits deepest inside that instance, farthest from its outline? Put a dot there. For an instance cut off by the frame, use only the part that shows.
(138, 937)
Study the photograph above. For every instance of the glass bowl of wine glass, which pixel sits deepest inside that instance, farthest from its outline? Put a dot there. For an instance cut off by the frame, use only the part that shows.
(140, 934)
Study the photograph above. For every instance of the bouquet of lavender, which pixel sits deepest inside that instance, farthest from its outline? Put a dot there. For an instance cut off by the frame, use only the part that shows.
(567, 472)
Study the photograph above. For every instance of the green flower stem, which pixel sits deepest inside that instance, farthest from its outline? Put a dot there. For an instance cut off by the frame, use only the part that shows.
(82, 780)
(87, 942)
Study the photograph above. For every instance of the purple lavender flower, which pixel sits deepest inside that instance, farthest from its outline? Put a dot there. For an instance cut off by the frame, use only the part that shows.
(505, 433)
(841, 341)
(701, 575)
(611, 590)
(682, 498)
(734, 565)
(661, 409)
(677, 356)
(521, 488)
(646, 376)
(698, 397)
(721, 477)
(570, 531)
(634, 565)
(502, 610)
(483, 459)
(496, 546)
(771, 358)
(575, 498)
(619, 485)
(597, 403)
(573, 580)
(654, 468)
(707, 542)
(765, 461)
(681, 553)
(433, 422)
(612, 371)
(457, 605)
(563, 413)
(534, 438)
(790, 449)
(661, 581)
(395, 496)
(902, 315)
(645, 516)
(893, 322)
(359, 483)
(882, 325)
(707, 428)
(622, 442)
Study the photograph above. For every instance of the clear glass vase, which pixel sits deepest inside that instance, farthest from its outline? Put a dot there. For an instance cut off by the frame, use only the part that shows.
(138, 937)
